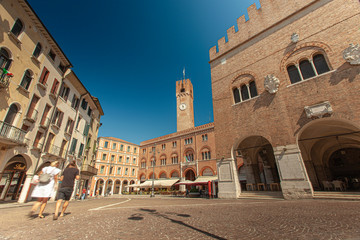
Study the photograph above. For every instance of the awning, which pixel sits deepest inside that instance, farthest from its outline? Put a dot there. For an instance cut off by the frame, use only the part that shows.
(199, 181)
(166, 182)
(133, 185)
(185, 182)
(159, 183)
(145, 184)
(205, 179)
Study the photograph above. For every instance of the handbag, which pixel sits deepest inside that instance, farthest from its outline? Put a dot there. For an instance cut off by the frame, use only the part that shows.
(45, 178)
(35, 180)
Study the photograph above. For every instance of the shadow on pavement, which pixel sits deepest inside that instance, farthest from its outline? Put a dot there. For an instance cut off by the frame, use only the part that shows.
(138, 217)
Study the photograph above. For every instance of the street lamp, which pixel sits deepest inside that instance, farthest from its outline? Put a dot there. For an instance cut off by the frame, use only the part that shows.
(153, 175)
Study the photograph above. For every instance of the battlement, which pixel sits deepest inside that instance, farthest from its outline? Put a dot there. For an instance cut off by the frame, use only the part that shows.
(184, 86)
(270, 13)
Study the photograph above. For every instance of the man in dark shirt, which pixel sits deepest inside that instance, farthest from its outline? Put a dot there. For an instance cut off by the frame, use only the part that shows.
(67, 186)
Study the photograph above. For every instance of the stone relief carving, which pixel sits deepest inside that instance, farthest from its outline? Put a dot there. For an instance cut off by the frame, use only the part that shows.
(294, 37)
(318, 110)
(271, 83)
(352, 54)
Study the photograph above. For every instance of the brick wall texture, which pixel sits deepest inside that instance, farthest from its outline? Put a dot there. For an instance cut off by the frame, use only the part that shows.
(263, 46)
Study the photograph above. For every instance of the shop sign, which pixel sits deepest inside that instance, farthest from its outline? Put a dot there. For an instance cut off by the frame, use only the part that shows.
(20, 166)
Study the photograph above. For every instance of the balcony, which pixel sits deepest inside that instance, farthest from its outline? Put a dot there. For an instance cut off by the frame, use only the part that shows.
(53, 150)
(37, 146)
(5, 78)
(31, 115)
(10, 134)
(42, 85)
(87, 169)
(44, 123)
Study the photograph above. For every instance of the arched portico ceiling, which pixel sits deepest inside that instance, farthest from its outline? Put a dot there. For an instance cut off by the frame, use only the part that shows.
(252, 142)
(320, 138)
(251, 145)
(327, 127)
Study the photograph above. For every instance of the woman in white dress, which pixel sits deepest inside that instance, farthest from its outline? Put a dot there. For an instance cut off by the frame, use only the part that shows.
(43, 191)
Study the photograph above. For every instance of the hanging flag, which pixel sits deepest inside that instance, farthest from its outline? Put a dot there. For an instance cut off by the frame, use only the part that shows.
(184, 72)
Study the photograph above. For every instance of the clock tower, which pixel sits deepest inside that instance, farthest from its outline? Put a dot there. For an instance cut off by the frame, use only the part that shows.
(184, 105)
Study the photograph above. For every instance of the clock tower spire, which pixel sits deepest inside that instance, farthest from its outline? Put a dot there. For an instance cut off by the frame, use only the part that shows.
(184, 105)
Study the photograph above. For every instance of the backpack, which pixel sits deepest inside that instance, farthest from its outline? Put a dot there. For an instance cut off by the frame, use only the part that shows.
(45, 178)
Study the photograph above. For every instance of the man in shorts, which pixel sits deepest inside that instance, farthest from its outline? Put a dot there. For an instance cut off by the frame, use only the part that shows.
(66, 189)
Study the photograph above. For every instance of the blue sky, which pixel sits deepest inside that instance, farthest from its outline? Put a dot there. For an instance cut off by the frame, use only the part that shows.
(130, 53)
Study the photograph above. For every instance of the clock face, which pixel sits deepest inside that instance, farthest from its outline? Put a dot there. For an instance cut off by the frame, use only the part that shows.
(182, 106)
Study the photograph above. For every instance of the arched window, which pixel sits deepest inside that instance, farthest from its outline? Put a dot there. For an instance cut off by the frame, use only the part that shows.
(244, 93)
(163, 160)
(175, 174)
(206, 154)
(253, 91)
(4, 59)
(17, 28)
(37, 50)
(162, 175)
(25, 82)
(293, 74)
(174, 159)
(10, 116)
(236, 95)
(189, 156)
(306, 69)
(320, 64)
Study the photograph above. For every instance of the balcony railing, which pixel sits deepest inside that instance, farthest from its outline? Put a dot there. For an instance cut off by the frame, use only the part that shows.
(12, 133)
(55, 150)
(88, 169)
(32, 114)
(5, 78)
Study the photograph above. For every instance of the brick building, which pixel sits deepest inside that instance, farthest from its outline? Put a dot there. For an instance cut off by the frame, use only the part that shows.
(286, 99)
(188, 154)
(117, 162)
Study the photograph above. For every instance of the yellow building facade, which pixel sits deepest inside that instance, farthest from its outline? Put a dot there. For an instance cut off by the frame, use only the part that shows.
(117, 162)
(39, 101)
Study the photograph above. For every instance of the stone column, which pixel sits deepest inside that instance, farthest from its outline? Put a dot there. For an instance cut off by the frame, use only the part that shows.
(228, 183)
(6, 188)
(120, 189)
(294, 180)
(25, 189)
(112, 188)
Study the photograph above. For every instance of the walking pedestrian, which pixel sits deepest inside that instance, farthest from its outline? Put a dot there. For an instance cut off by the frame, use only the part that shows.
(67, 186)
(83, 194)
(45, 187)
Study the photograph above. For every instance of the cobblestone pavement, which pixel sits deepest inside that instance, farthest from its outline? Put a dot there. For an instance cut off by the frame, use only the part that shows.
(171, 218)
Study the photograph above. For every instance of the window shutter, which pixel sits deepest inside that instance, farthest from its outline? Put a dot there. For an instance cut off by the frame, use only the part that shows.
(81, 149)
(55, 86)
(86, 129)
(60, 119)
(73, 145)
(43, 74)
